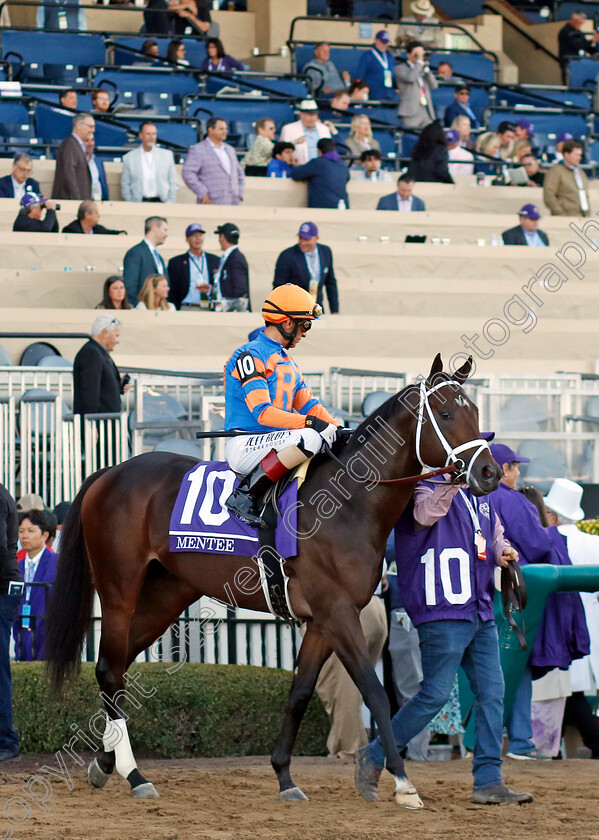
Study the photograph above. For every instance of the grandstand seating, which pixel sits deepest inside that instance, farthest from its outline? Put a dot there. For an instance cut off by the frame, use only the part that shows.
(57, 57)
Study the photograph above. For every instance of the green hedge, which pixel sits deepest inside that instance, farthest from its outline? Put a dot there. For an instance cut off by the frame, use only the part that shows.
(200, 710)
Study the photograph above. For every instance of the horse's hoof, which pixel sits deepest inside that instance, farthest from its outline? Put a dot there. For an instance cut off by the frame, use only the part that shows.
(145, 791)
(366, 776)
(406, 795)
(97, 777)
(293, 794)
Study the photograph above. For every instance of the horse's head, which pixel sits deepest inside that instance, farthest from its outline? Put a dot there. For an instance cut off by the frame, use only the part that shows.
(448, 429)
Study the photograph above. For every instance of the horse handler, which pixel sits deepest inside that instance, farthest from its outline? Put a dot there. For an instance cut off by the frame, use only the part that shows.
(447, 544)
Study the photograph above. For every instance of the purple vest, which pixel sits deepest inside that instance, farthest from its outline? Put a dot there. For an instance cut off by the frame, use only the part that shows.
(439, 574)
(522, 525)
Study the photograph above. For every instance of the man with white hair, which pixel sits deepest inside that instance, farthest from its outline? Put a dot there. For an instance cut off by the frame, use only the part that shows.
(97, 383)
(564, 511)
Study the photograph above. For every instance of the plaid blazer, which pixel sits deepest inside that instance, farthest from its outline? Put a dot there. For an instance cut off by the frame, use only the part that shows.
(204, 174)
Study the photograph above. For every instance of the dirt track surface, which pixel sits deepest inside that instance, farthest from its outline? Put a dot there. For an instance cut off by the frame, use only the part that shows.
(235, 799)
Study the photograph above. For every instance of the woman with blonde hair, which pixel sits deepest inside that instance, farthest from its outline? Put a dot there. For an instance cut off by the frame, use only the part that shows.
(154, 293)
(488, 144)
(360, 137)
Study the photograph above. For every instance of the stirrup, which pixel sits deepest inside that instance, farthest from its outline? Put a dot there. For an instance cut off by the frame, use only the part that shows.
(242, 505)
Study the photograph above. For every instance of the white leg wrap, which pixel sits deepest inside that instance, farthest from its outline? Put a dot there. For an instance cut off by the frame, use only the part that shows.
(125, 761)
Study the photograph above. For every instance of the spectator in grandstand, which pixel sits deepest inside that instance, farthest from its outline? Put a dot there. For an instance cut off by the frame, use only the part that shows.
(418, 25)
(72, 178)
(527, 232)
(211, 169)
(36, 529)
(309, 265)
(507, 137)
(97, 172)
(261, 152)
(415, 81)
(376, 67)
(217, 61)
(232, 277)
(100, 101)
(536, 178)
(9, 609)
(68, 99)
(430, 157)
(87, 221)
(149, 172)
(561, 138)
(154, 293)
(190, 17)
(369, 168)
(461, 161)
(360, 137)
(327, 177)
(60, 16)
(323, 76)
(462, 124)
(33, 208)
(114, 294)
(524, 130)
(488, 144)
(521, 148)
(97, 383)
(572, 42)
(461, 107)
(359, 91)
(175, 53)
(192, 273)
(282, 160)
(445, 72)
(336, 110)
(149, 48)
(143, 258)
(305, 132)
(157, 21)
(402, 200)
(19, 181)
(566, 187)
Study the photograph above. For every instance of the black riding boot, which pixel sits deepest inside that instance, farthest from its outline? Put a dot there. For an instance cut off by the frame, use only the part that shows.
(243, 500)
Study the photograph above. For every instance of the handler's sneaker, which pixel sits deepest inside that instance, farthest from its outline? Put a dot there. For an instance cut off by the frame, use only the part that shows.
(497, 794)
(366, 776)
(533, 755)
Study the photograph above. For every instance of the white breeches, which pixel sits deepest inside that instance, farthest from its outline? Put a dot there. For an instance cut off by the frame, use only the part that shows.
(246, 451)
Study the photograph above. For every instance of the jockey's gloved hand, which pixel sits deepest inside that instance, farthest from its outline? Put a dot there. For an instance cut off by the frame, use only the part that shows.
(328, 431)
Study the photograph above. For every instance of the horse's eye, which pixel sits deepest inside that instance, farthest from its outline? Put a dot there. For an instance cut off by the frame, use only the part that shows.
(446, 415)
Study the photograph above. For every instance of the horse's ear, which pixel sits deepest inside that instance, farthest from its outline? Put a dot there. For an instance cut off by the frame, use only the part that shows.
(462, 374)
(436, 368)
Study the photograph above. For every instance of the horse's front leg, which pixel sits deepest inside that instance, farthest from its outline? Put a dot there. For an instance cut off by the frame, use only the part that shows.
(342, 628)
(314, 652)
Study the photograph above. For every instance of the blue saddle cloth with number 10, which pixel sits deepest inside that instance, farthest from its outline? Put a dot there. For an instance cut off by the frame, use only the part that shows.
(200, 521)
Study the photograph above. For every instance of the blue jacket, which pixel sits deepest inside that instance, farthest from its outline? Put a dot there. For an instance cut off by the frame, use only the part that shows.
(291, 267)
(389, 202)
(371, 71)
(138, 263)
(7, 191)
(456, 110)
(522, 525)
(45, 573)
(326, 179)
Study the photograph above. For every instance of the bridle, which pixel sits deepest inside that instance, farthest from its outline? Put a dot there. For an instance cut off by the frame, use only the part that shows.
(451, 452)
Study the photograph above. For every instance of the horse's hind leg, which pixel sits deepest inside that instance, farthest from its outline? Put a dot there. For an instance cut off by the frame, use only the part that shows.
(314, 652)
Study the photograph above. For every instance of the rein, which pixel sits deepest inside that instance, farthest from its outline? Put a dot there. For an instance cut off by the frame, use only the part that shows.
(513, 596)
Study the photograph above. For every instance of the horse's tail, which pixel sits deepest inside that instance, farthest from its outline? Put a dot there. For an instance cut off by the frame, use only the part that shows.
(70, 605)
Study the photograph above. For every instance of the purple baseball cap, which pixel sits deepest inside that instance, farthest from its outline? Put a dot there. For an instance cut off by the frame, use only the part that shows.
(565, 135)
(194, 227)
(504, 455)
(383, 36)
(31, 198)
(453, 136)
(307, 230)
(526, 124)
(531, 211)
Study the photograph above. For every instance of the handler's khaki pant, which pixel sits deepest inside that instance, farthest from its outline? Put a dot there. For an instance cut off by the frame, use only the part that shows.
(338, 693)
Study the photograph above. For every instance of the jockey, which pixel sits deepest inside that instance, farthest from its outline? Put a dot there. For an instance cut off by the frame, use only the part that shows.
(266, 396)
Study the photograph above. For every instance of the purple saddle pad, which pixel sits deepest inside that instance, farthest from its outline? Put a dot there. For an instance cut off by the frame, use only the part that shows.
(200, 521)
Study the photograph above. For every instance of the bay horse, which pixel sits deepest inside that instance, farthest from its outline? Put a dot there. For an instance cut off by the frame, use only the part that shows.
(116, 539)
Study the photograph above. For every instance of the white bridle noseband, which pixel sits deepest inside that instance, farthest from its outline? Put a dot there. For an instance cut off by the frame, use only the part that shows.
(452, 454)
